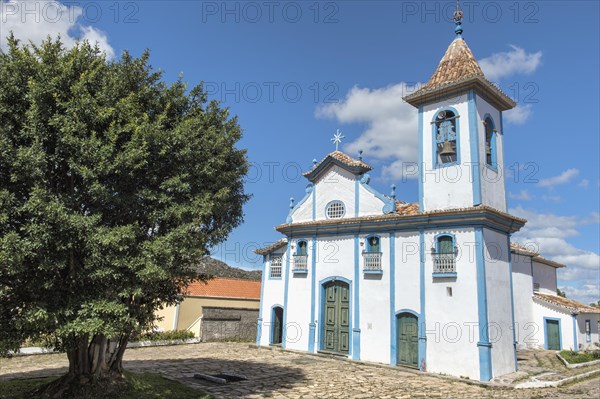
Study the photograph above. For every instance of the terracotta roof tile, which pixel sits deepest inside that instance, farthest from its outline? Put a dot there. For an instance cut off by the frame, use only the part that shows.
(342, 158)
(522, 250)
(569, 304)
(458, 63)
(226, 288)
(403, 208)
(458, 67)
(270, 248)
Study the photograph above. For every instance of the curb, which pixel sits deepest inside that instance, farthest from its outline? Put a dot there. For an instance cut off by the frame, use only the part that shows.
(37, 350)
(576, 365)
(535, 383)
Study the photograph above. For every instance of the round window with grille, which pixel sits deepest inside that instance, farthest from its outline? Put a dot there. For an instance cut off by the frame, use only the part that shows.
(335, 210)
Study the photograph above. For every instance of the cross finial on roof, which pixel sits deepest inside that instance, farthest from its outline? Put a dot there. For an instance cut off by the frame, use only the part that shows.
(458, 16)
(337, 138)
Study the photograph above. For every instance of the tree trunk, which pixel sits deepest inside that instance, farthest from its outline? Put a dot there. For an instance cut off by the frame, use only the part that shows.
(91, 362)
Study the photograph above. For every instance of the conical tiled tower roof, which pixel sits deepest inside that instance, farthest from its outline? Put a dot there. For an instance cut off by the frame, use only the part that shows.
(457, 64)
(457, 73)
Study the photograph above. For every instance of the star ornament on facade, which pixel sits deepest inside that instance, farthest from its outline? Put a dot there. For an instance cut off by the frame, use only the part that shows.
(337, 139)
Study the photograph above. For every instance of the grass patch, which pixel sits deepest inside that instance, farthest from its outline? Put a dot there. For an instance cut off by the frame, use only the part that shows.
(580, 357)
(142, 386)
(164, 335)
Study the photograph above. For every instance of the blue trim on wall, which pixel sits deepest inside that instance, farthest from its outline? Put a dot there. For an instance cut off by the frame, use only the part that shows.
(321, 323)
(474, 142)
(546, 332)
(262, 296)
(393, 329)
(285, 293)
(356, 324)
(313, 272)
(356, 196)
(575, 344)
(421, 161)
(485, 347)
(512, 300)
(422, 322)
(434, 140)
(389, 204)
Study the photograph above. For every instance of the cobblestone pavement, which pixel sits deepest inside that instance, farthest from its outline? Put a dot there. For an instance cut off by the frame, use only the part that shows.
(281, 374)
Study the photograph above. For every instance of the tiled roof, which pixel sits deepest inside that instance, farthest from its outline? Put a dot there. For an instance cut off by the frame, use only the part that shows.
(339, 157)
(412, 210)
(458, 63)
(458, 68)
(566, 303)
(403, 208)
(521, 250)
(518, 248)
(225, 288)
(270, 248)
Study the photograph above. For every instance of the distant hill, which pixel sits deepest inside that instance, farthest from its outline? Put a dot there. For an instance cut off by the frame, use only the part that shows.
(216, 268)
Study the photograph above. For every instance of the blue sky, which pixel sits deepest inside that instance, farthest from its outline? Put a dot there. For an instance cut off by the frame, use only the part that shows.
(296, 71)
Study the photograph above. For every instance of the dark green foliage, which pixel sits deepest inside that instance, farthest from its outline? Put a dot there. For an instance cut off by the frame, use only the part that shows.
(164, 335)
(112, 185)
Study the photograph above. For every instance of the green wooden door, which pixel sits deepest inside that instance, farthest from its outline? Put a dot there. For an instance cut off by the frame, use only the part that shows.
(336, 326)
(408, 340)
(553, 335)
(277, 326)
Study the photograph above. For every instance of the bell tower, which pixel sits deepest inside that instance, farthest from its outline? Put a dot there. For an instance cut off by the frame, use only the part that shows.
(461, 162)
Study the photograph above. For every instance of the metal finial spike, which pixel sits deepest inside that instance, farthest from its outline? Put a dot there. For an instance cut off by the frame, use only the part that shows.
(394, 191)
(291, 202)
(337, 138)
(360, 155)
(314, 162)
(458, 16)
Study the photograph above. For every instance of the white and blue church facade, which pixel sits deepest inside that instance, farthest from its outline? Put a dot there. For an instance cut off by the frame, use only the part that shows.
(429, 285)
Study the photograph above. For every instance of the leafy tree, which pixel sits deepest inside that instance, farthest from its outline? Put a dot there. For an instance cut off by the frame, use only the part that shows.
(112, 184)
(559, 292)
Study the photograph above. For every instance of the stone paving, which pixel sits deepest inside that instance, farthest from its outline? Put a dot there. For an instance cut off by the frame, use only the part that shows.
(282, 374)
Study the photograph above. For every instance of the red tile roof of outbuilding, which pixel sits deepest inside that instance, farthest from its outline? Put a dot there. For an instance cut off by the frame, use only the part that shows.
(226, 288)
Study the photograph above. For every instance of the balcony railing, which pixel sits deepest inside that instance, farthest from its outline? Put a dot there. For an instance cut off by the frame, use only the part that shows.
(300, 263)
(372, 261)
(444, 263)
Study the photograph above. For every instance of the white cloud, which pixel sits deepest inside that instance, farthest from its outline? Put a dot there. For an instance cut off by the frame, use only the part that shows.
(392, 126)
(519, 114)
(563, 178)
(585, 183)
(551, 198)
(35, 21)
(501, 65)
(547, 233)
(523, 196)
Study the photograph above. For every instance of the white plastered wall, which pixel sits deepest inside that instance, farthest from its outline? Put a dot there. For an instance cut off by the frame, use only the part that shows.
(497, 272)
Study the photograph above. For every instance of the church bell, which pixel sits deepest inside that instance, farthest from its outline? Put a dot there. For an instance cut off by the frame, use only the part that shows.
(447, 149)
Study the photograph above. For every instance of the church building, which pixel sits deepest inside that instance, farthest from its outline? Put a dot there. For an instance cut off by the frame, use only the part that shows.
(427, 285)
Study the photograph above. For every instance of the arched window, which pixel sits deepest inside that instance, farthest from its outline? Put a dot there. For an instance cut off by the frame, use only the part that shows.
(372, 255)
(275, 269)
(490, 142)
(301, 257)
(444, 254)
(302, 248)
(446, 137)
(373, 244)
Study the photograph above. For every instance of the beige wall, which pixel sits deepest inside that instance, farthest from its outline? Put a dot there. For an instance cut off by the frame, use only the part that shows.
(190, 309)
